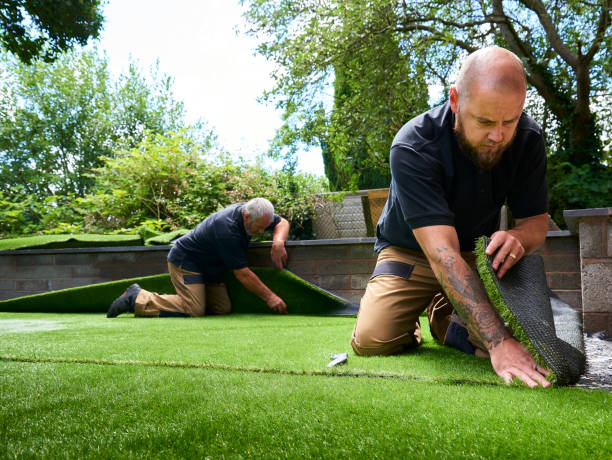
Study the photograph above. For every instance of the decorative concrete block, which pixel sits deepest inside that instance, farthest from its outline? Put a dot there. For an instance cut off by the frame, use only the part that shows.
(34, 260)
(591, 238)
(301, 268)
(334, 282)
(563, 280)
(66, 283)
(560, 245)
(566, 263)
(344, 266)
(112, 258)
(359, 281)
(32, 285)
(74, 259)
(571, 297)
(609, 227)
(7, 266)
(362, 251)
(319, 252)
(597, 322)
(42, 272)
(6, 284)
(597, 287)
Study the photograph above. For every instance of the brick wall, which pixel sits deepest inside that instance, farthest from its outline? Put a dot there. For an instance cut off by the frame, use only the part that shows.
(594, 228)
(27, 272)
(340, 266)
(561, 256)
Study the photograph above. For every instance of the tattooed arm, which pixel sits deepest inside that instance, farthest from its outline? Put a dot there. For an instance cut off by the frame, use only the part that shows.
(467, 294)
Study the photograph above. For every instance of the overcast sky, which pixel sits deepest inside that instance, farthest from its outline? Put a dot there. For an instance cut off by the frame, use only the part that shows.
(215, 71)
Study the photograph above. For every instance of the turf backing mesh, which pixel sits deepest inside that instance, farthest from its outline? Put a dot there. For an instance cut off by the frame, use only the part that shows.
(521, 297)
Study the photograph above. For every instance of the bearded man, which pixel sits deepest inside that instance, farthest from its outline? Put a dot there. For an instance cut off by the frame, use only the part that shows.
(452, 169)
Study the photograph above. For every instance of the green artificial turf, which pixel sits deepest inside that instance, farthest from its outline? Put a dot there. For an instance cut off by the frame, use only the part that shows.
(300, 296)
(69, 241)
(87, 240)
(491, 284)
(257, 386)
(92, 298)
(164, 238)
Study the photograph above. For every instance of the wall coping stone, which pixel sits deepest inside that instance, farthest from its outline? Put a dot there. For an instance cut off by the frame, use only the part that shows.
(261, 244)
(572, 216)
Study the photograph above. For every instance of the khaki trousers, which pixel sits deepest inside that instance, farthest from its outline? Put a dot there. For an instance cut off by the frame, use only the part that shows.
(193, 297)
(388, 318)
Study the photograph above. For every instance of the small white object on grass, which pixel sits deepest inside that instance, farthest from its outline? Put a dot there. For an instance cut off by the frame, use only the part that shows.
(338, 359)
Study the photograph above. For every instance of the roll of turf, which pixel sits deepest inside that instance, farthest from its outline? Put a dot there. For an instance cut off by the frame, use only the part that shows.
(521, 297)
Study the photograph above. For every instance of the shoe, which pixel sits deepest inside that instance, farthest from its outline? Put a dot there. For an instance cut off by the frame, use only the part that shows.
(125, 302)
(457, 337)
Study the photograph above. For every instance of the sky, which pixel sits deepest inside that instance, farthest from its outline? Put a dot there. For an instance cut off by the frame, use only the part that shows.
(215, 70)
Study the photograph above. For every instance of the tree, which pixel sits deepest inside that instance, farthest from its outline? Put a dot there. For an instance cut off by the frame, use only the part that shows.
(565, 47)
(378, 85)
(44, 28)
(57, 120)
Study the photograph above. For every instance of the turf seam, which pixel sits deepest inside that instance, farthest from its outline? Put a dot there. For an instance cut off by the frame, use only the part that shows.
(256, 370)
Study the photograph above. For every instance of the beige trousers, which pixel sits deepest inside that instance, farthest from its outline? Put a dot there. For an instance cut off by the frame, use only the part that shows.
(388, 318)
(191, 298)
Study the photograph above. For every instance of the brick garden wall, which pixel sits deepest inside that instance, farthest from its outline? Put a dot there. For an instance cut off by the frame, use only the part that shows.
(342, 266)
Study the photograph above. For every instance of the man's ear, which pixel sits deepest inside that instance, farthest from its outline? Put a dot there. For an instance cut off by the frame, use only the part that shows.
(453, 99)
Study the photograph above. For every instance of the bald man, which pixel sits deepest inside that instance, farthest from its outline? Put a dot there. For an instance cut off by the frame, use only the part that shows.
(452, 169)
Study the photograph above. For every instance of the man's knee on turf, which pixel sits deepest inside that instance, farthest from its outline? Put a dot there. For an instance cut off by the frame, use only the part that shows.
(365, 345)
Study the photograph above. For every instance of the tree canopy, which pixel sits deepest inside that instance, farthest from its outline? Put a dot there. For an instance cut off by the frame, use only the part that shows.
(57, 119)
(44, 28)
(565, 47)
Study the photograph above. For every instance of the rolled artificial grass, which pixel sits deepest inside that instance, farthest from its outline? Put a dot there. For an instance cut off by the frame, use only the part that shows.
(109, 402)
(521, 298)
(145, 236)
(84, 240)
(300, 296)
(164, 238)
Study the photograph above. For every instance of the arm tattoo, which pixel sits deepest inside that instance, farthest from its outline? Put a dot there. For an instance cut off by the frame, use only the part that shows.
(467, 294)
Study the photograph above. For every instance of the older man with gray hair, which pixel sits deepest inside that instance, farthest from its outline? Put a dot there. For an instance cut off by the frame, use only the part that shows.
(197, 261)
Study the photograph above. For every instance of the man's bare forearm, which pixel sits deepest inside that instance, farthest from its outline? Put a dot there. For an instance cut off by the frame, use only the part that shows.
(465, 291)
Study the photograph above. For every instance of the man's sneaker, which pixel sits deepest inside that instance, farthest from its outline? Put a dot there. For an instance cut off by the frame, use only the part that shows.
(125, 302)
(457, 337)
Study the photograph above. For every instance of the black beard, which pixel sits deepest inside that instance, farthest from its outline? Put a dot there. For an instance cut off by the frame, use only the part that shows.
(486, 163)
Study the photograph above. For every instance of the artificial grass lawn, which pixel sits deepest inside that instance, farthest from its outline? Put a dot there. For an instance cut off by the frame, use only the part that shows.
(243, 385)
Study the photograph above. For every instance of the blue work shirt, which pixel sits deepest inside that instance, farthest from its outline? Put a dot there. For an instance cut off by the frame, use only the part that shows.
(217, 244)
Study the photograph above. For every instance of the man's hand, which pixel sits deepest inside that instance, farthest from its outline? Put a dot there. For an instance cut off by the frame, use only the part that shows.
(509, 251)
(526, 237)
(279, 254)
(277, 304)
(252, 282)
(509, 359)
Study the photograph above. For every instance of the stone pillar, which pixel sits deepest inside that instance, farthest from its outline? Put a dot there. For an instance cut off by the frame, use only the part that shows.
(594, 228)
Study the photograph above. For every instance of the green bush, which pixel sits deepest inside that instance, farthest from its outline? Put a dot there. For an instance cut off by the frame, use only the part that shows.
(166, 183)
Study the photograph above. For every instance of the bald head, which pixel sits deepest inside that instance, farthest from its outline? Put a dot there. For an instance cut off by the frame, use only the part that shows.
(492, 68)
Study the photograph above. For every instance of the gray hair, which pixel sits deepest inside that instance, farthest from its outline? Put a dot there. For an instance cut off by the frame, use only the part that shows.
(257, 208)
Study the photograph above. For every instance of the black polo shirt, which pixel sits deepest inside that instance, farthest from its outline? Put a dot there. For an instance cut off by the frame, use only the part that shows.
(434, 183)
(217, 244)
